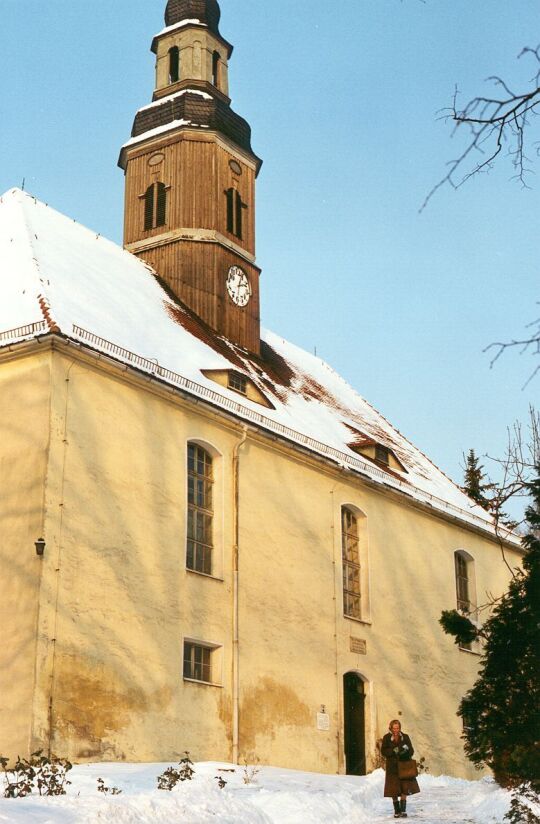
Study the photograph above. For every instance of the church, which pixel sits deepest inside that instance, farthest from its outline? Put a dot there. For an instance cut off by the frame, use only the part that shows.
(210, 541)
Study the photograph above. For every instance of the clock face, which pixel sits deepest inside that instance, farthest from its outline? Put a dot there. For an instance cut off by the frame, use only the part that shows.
(238, 286)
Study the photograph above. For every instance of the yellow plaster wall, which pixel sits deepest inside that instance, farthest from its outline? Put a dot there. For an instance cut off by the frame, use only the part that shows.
(117, 601)
(24, 433)
(125, 600)
(291, 570)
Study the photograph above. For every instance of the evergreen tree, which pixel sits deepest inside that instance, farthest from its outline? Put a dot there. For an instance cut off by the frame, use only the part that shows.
(501, 713)
(474, 485)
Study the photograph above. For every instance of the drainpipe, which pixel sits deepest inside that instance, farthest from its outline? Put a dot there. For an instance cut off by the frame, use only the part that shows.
(236, 634)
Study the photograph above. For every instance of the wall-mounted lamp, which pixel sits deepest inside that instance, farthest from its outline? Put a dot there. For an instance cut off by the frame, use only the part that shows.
(40, 546)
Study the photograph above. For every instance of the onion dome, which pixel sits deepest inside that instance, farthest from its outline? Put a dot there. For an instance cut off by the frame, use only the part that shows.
(204, 11)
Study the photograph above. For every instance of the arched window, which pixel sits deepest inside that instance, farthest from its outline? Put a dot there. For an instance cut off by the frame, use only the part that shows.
(465, 586)
(350, 548)
(155, 206)
(464, 567)
(235, 208)
(216, 69)
(200, 510)
(174, 64)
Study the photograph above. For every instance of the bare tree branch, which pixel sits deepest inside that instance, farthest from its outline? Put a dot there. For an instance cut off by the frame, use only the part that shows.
(494, 123)
(516, 469)
(529, 344)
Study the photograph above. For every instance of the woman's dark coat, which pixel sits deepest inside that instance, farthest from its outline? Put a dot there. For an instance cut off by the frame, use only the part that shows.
(394, 786)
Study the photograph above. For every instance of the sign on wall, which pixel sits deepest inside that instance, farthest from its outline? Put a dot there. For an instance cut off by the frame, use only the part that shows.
(358, 645)
(323, 721)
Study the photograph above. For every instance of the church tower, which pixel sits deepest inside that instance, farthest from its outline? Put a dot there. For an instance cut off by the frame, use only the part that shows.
(190, 177)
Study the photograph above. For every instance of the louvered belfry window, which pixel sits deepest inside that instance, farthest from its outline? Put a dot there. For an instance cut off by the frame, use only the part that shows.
(235, 217)
(155, 206)
(350, 544)
(200, 510)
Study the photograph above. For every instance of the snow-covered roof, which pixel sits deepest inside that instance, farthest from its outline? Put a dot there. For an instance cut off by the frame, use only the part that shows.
(56, 276)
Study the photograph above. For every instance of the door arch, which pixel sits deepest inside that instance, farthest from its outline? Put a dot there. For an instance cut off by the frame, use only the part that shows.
(354, 716)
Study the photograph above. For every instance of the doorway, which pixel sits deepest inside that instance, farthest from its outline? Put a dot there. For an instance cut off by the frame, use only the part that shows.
(354, 698)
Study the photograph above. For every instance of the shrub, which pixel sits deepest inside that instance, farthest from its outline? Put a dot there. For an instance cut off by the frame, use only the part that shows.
(102, 788)
(170, 778)
(48, 774)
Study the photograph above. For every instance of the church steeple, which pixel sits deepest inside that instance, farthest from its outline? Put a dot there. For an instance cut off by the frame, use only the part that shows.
(190, 24)
(190, 177)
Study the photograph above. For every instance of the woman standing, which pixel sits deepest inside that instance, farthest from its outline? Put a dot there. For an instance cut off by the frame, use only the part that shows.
(396, 746)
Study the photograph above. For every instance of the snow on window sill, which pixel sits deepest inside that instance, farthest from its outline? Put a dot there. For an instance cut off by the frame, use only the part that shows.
(367, 621)
(202, 683)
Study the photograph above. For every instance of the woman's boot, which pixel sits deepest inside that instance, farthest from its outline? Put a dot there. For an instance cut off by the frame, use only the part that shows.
(397, 809)
(403, 808)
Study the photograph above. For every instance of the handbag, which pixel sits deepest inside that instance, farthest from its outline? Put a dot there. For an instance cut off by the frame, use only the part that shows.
(407, 769)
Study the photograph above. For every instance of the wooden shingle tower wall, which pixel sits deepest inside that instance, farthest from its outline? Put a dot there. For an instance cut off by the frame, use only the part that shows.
(190, 177)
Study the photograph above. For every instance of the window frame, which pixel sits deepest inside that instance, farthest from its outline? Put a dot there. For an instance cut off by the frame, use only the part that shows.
(216, 69)
(214, 667)
(465, 584)
(351, 566)
(240, 379)
(361, 565)
(382, 454)
(155, 206)
(174, 65)
(235, 212)
(200, 516)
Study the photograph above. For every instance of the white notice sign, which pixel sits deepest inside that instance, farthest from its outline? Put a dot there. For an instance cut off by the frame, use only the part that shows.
(323, 721)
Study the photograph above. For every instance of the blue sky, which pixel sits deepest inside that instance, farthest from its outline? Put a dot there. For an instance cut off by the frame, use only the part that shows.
(343, 98)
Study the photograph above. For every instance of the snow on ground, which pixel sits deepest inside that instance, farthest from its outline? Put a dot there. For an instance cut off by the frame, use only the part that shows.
(278, 796)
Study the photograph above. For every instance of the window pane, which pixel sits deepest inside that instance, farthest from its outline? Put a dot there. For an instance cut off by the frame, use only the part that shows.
(197, 662)
(352, 606)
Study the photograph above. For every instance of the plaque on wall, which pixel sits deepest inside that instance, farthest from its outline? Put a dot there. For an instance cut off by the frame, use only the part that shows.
(358, 645)
(323, 721)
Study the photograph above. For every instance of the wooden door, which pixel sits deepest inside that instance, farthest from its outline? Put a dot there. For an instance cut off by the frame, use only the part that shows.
(355, 724)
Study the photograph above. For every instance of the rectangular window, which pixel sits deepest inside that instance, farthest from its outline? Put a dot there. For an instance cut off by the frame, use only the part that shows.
(382, 454)
(237, 382)
(197, 662)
